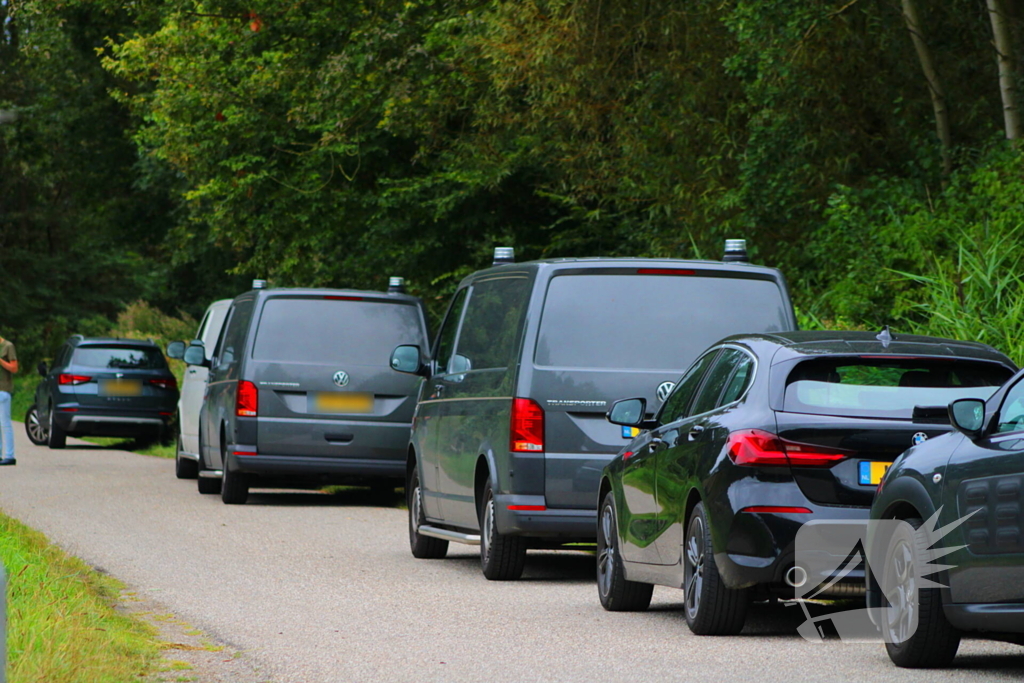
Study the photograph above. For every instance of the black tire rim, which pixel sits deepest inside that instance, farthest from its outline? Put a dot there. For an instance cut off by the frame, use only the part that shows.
(36, 431)
(901, 615)
(694, 570)
(606, 554)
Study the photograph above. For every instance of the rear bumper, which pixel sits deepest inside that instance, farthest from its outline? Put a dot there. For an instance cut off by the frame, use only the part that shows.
(567, 524)
(93, 422)
(771, 540)
(315, 468)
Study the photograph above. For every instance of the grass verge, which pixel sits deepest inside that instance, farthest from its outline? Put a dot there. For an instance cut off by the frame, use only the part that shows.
(62, 624)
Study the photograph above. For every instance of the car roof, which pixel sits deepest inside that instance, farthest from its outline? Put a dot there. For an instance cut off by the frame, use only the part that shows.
(78, 340)
(272, 292)
(805, 343)
(733, 269)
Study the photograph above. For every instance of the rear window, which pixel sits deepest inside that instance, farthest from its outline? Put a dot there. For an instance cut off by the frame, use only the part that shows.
(650, 322)
(334, 331)
(867, 387)
(119, 358)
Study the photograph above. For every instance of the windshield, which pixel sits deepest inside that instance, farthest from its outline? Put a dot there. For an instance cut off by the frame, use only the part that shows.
(119, 358)
(324, 330)
(650, 322)
(889, 388)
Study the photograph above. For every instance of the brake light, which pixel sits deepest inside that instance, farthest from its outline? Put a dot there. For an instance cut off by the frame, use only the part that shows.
(526, 427)
(663, 271)
(73, 380)
(343, 298)
(528, 508)
(165, 382)
(758, 448)
(247, 401)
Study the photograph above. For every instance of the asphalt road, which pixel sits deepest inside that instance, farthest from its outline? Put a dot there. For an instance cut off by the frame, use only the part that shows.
(323, 588)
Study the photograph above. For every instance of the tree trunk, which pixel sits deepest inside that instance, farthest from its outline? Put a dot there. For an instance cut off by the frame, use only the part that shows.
(924, 54)
(1004, 58)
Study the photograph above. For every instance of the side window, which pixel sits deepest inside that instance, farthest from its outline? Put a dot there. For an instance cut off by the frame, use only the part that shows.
(446, 337)
(202, 326)
(492, 326)
(739, 381)
(1011, 415)
(680, 398)
(232, 342)
(718, 377)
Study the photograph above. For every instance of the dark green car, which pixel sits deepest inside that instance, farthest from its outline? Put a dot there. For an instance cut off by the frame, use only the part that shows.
(975, 476)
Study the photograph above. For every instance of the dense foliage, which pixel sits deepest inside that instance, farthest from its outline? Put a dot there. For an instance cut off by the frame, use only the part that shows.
(170, 150)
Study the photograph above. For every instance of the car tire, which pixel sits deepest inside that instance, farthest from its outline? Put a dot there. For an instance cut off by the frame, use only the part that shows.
(502, 557)
(37, 433)
(206, 485)
(617, 594)
(423, 547)
(56, 437)
(711, 607)
(234, 486)
(183, 467)
(934, 642)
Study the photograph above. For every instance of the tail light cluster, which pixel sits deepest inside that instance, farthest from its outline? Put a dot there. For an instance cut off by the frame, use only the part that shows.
(73, 380)
(247, 400)
(758, 448)
(526, 427)
(165, 382)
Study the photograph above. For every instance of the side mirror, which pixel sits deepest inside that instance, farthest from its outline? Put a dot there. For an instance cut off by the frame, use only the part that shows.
(406, 358)
(967, 415)
(628, 412)
(41, 369)
(195, 354)
(176, 350)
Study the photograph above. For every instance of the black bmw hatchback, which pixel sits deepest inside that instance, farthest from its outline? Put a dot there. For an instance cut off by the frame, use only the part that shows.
(104, 387)
(762, 434)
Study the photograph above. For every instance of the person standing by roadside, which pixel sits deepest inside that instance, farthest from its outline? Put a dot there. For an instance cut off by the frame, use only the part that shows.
(8, 368)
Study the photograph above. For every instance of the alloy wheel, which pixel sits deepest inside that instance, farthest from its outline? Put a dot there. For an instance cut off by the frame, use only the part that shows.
(36, 430)
(606, 557)
(902, 611)
(694, 570)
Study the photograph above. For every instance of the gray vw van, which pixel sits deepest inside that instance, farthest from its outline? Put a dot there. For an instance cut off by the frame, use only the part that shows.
(300, 392)
(509, 437)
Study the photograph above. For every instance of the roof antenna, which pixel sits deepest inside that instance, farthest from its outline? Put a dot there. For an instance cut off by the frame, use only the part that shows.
(885, 336)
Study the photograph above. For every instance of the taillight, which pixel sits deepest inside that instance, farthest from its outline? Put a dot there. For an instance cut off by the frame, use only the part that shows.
(526, 428)
(758, 448)
(165, 383)
(247, 401)
(73, 380)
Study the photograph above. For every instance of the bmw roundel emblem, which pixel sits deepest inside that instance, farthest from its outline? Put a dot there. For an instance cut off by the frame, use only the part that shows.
(341, 378)
(919, 438)
(664, 389)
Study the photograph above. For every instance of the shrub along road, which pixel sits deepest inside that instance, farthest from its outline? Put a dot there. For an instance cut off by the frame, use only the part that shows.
(322, 588)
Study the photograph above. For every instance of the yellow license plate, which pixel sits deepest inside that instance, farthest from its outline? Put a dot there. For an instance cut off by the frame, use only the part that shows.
(342, 402)
(120, 387)
(871, 473)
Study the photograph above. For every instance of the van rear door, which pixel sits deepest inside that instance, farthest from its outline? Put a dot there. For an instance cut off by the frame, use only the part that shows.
(321, 364)
(614, 333)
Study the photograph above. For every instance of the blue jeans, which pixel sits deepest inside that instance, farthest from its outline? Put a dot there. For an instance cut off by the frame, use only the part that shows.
(6, 428)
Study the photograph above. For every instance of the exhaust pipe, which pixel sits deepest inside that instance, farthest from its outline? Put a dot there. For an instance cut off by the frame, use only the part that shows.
(795, 577)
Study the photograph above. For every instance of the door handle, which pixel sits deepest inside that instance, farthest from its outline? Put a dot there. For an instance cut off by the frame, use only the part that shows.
(695, 432)
(438, 390)
(655, 443)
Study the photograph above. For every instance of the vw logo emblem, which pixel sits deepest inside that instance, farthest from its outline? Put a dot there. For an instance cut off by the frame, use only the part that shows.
(664, 389)
(341, 378)
(919, 438)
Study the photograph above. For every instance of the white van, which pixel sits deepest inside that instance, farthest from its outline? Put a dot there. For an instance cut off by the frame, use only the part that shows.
(192, 389)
